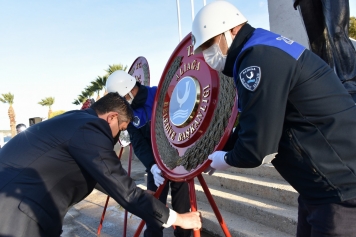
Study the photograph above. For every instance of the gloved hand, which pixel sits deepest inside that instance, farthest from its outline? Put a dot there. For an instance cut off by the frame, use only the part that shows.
(218, 162)
(157, 175)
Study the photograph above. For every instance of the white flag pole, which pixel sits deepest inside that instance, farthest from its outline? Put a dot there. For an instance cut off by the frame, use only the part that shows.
(179, 26)
(192, 4)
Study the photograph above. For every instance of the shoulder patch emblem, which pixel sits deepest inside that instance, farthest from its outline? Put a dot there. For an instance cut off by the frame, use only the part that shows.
(250, 77)
(285, 39)
(136, 121)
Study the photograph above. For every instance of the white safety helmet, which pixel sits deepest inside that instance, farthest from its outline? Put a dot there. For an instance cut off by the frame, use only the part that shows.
(213, 19)
(120, 82)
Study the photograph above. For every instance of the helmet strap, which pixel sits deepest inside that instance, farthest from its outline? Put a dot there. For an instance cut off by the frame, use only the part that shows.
(131, 95)
(228, 38)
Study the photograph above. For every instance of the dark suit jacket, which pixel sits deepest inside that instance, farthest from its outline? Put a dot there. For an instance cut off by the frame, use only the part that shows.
(55, 164)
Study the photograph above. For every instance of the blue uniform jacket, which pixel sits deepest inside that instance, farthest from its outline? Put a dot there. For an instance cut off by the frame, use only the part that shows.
(140, 130)
(292, 103)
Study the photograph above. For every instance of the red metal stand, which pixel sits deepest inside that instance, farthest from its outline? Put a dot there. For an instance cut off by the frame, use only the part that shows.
(156, 195)
(103, 215)
(193, 205)
(214, 206)
(193, 202)
(108, 197)
(192, 196)
(128, 173)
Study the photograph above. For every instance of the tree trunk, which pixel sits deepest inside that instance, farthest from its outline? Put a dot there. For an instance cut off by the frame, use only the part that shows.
(49, 113)
(12, 115)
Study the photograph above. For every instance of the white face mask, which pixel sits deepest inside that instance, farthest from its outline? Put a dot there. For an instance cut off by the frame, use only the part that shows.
(213, 55)
(131, 98)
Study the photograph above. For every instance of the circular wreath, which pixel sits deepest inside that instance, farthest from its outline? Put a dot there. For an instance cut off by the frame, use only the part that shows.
(198, 153)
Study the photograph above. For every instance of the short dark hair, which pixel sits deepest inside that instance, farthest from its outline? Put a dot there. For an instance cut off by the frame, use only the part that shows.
(20, 125)
(113, 102)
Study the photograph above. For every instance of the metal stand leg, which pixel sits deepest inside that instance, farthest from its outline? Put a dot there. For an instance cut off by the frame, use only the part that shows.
(157, 194)
(103, 215)
(194, 207)
(128, 173)
(213, 205)
(193, 202)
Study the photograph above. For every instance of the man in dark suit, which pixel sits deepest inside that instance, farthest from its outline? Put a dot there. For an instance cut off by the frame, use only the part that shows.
(56, 163)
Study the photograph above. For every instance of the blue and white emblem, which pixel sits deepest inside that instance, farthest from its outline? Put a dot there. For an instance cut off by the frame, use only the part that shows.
(250, 77)
(285, 39)
(184, 100)
(136, 121)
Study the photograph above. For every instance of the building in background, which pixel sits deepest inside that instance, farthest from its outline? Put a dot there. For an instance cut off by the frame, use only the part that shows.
(5, 136)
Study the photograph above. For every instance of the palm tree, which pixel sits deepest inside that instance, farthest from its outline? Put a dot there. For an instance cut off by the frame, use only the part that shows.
(82, 98)
(352, 27)
(9, 99)
(87, 93)
(115, 67)
(48, 101)
(95, 86)
(101, 81)
(76, 102)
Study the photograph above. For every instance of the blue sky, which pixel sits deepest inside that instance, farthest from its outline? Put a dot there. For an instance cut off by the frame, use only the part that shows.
(57, 47)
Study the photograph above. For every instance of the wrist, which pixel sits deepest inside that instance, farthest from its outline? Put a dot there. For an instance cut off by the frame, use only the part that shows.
(172, 219)
(225, 158)
(224, 164)
(152, 167)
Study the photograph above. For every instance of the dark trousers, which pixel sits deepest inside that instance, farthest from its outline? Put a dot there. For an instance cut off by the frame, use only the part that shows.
(330, 219)
(180, 203)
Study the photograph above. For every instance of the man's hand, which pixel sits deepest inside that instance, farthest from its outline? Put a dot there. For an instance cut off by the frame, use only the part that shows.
(157, 175)
(189, 220)
(218, 162)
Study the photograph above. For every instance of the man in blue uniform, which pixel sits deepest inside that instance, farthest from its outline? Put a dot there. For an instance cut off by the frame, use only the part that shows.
(141, 99)
(292, 103)
(54, 164)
